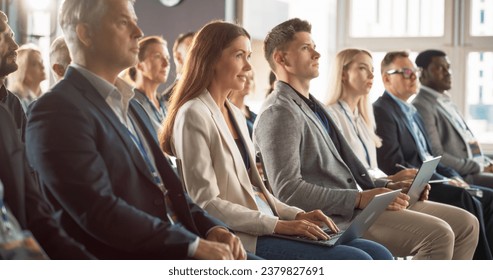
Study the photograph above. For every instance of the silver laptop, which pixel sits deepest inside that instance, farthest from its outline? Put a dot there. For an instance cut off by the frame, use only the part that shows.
(358, 226)
(421, 179)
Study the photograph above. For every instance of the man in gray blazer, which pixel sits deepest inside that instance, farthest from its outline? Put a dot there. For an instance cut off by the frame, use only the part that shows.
(449, 134)
(310, 165)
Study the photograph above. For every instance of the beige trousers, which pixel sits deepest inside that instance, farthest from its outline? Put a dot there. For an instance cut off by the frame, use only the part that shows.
(428, 231)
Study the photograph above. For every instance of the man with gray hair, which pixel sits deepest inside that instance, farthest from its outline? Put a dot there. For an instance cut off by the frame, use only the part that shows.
(92, 146)
(59, 58)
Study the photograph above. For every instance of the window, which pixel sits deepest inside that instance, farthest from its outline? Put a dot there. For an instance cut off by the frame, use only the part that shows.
(481, 18)
(322, 16)
(462, 29)
(480, 95)
(396, 18)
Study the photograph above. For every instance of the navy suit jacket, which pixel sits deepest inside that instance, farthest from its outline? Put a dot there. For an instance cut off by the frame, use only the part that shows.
(13, 104)
(22, 196)
(398, 145)
(108, 198)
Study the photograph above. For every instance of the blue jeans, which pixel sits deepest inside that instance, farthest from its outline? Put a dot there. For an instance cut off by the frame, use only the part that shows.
(273, 248)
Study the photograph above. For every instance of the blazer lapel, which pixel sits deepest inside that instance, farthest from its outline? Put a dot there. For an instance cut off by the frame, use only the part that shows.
(228, 140)
(254, 175)
(107, 113)
(171, 181)
(399, 114)
(314, 119)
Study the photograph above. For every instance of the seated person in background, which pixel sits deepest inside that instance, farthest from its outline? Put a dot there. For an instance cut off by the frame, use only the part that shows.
(180, 51)
(59, 58)
(22, 197)
(448, 132)
(405, 143)
(8, 65)
(237, 97)
(26, 81)
(151, 71)
(210, 137)
(351, 81)
(119, 196)
(310, 165)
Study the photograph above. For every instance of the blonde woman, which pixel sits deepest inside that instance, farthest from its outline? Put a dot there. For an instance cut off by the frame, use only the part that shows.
(26, 81)
(210, 138)
(351, 81)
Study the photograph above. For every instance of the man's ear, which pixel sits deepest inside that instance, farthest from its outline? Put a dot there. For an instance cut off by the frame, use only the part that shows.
(279, 58)
(385, 78)
(424, 77)
(84, 34)
(139, 66)
(58, 69)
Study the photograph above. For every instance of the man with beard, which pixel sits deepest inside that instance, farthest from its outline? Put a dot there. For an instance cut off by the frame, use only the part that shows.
(8, 65)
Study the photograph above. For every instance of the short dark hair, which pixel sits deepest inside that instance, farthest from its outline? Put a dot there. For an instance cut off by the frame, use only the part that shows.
(424, 58)
(390, 57)
(281, 35)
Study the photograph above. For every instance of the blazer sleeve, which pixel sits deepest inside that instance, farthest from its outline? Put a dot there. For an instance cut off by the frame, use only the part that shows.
(431, 122)
(278, 135)
(60, 132)
(25, 200)
(194, 146)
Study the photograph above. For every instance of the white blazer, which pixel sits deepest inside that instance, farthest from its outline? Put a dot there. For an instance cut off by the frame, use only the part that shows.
(214, 173)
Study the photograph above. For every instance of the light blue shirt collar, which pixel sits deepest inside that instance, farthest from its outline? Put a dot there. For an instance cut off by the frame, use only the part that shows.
(408, 109)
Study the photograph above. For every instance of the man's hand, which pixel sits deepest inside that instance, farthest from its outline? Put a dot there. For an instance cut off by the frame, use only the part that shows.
(319, 218)
(209, 250)
(222, 235)
(403, 175)
(425, 193)
(458, 182)
(400, 202)
(488, 168)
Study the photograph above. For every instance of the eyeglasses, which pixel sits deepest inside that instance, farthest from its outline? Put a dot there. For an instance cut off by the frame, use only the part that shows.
(405, 72)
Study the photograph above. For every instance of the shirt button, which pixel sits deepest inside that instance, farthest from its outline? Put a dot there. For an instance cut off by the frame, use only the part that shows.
(349, 180)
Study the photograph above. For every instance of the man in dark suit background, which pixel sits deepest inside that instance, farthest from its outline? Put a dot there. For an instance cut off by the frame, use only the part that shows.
(449, 134)
(20, 192)
(94, 151)
(22, 196)
(8, 65)
(180, 49)
(404, 142)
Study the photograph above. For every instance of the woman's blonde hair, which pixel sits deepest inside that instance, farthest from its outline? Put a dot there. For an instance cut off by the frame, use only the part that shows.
(16, 79)
(204, 53)
(341, 63)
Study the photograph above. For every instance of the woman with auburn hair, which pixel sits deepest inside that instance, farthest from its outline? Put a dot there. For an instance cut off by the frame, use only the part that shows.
(210, 138)
(351, 81)
(151, 71)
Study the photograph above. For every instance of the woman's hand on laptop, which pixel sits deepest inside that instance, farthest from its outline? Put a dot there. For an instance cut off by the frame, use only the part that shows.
(319, 218)
(300, 228)
(401, 202)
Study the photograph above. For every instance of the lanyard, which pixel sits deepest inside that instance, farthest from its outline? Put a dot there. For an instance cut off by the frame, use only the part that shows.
(138, 142)
(357, 133)
(155, 175)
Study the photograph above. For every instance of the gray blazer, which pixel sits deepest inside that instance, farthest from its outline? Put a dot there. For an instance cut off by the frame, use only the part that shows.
(445, 139)
(302, 164)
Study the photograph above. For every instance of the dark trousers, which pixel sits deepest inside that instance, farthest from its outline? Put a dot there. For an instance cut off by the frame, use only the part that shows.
(481, 207)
